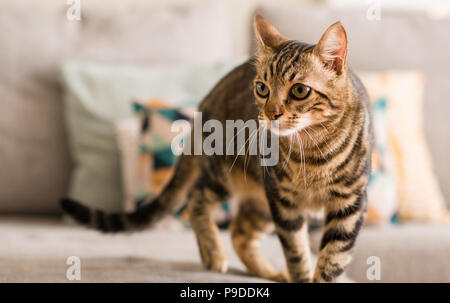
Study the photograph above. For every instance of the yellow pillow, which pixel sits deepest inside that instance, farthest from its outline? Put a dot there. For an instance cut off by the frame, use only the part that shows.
(418, 194)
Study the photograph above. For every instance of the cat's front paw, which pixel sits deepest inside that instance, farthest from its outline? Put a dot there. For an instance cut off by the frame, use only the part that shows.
(215, 261)
(218, 264)
(282, 277)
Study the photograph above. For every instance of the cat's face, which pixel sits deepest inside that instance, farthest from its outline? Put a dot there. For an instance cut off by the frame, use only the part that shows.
(299, 85)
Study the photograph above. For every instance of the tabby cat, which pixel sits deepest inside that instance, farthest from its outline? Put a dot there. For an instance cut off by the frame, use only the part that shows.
(325, 141)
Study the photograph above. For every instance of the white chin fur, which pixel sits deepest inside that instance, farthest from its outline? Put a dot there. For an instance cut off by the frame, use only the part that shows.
(289, 131)
(284, 131)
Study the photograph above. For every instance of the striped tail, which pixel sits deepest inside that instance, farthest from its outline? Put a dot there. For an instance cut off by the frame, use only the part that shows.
(171, 199)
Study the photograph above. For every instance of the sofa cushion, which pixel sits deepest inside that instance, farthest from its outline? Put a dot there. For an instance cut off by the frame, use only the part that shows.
(36, 37)
(36, 250)
(409, 253)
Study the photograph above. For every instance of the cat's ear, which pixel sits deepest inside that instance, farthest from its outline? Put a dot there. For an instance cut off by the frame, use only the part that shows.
(268, 36)
(332, 48)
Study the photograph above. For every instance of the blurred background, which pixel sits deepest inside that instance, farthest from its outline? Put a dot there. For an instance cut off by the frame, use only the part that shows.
(73, 72)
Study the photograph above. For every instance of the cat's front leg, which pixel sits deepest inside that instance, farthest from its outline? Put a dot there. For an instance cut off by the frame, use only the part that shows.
(292, 229)
(295, 243)
(343, 222)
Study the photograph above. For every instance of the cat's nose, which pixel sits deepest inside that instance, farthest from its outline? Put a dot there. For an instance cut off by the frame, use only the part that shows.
(274, 115)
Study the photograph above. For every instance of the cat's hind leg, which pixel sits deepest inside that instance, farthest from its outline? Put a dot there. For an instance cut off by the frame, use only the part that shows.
(207, 193)
(248, 227)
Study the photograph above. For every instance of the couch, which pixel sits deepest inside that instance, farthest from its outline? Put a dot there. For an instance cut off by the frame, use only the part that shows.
(36, 161)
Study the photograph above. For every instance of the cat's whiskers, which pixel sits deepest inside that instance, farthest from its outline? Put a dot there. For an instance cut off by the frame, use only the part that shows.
(304, 163)
(329, 149)
(253, 136)
(262, 148)
(302, 160)
(289, 153)
(232, 140)
(235, 159)
(324, 127)
(314, 141)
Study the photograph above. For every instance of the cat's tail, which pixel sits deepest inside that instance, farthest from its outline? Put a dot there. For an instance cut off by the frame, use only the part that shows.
(172, 198)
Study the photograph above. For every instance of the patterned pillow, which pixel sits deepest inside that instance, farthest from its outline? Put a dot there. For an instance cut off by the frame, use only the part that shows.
(155, 162)
(381, 192)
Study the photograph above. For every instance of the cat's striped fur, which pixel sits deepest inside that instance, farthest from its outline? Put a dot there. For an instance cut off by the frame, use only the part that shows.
(324, 164)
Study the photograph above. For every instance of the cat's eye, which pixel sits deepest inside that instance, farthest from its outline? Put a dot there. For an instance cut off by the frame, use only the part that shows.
(262, 90)
(300, 91)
